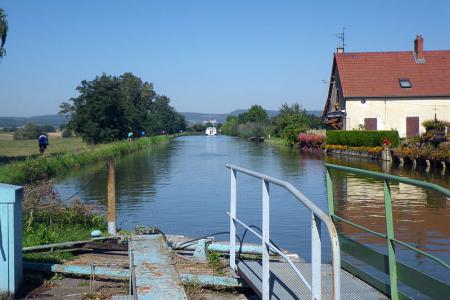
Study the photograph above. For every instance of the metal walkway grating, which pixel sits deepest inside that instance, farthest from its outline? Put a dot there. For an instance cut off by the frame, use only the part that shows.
(285, 284)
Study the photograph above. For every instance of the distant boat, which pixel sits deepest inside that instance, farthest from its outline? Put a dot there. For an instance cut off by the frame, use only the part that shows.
(211, 131)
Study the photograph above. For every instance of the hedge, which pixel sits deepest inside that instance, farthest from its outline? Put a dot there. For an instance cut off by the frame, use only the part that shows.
(357, 138)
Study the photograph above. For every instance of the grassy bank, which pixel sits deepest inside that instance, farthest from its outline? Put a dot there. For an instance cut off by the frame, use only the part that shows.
(276, 141)
(44, 167)
(19, 149)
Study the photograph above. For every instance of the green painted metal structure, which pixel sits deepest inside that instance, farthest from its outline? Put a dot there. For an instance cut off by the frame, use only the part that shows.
(398, 272)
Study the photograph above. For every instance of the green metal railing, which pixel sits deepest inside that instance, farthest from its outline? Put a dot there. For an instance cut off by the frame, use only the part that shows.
(389, 264)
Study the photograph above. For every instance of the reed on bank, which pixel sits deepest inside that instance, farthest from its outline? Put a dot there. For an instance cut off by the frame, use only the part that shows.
(44, 167)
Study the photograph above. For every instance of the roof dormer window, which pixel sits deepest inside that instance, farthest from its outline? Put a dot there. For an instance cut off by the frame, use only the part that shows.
(405, 83)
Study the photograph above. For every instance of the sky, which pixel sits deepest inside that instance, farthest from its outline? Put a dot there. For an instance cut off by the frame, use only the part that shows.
(207, 56)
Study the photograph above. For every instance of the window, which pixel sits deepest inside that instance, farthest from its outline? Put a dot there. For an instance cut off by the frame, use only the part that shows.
(405, 83)
(412, 126)
(370, 123)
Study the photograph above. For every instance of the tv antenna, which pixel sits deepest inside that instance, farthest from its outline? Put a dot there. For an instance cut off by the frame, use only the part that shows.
(435, 113)
(341, 36)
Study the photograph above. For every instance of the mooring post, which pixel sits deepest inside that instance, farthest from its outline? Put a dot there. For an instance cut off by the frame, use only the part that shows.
(111, 198)
(10, 238)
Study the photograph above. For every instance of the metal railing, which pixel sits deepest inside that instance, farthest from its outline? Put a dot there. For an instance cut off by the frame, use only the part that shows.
(396, 270)
(317, 216)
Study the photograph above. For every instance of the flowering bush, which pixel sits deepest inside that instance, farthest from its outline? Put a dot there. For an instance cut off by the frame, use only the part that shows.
(427, 152)
(387, 142)
(311, 140)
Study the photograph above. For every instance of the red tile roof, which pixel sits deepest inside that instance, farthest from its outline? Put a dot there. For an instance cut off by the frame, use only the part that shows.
(377, 74)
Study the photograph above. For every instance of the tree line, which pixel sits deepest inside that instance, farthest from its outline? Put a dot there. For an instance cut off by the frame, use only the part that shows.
(109, 107)
(287, 124)
(3, 32)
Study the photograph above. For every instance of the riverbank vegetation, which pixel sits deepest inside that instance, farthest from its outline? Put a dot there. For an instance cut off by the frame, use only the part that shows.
(47, 220)
(287, 124)
(109, 107)
(429, 152)
(46, 166)
(431, 146)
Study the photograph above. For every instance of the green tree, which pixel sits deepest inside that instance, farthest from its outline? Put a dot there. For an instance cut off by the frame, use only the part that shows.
(163, 117)
(108, 107)
(101, 112)
(315, 122)
(198, 128)
(255, 114)
(3, 32)
(292, 116)
(231, 126)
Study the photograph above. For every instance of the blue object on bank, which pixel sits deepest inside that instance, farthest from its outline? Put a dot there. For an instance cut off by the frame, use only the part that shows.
(10, 238)
(96, 233)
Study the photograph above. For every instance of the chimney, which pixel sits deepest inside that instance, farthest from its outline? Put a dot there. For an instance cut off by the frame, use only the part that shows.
(418, 49)
(339, 50)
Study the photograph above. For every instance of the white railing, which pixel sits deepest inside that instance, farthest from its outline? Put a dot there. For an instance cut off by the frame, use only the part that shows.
(317, 216)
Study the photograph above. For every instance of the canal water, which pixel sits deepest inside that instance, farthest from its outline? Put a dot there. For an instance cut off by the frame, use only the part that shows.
(183, 187)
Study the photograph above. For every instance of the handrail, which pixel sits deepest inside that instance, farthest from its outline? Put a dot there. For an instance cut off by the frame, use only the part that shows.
(317, 217)
(276, 250)
(389, 218)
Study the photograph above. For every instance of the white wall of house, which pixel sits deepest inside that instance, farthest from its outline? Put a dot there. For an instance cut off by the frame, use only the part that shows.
(391, 114)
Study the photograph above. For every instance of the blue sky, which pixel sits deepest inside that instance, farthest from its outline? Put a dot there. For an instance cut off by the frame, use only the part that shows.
(207, 56)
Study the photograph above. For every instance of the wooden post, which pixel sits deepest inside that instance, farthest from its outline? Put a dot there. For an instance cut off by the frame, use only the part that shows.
(111, 198)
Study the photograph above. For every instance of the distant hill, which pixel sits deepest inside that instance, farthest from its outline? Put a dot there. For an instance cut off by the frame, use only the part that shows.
(54, 120)
(193, 117)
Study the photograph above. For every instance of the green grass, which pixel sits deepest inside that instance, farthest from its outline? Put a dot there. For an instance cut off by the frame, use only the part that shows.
(276, 141)
(57, 225)
(10, 148)
(55, 257)
(43, 167)
(215, 263)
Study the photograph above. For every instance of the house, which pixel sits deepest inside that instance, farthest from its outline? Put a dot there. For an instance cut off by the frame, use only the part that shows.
(388, 90)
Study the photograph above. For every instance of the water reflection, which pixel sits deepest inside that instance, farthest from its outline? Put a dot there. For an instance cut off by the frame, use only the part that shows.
(421, 217)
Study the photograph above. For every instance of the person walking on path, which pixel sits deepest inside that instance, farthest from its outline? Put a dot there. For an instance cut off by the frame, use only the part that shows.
(43, 143)
(130, 136)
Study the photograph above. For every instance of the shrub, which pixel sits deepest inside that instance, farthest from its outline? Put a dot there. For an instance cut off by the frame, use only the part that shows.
(367, 138)
(434, 124)
(252, 129)
(291, 132)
